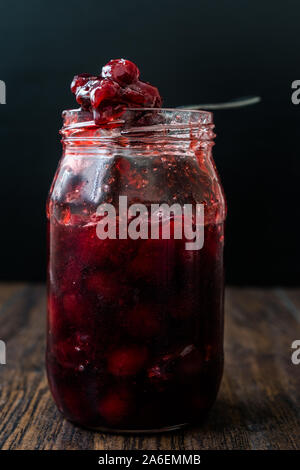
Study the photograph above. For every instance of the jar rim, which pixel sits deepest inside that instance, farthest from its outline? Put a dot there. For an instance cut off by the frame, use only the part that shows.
(179, 114)
(139, 120)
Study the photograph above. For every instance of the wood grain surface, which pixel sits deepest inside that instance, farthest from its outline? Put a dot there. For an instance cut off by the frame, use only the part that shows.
(258, 406)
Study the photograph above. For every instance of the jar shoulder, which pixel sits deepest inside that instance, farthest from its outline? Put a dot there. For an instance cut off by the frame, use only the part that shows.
(82, 182)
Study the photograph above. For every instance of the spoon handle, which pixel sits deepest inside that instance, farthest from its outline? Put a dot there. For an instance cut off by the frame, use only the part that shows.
(235, 103)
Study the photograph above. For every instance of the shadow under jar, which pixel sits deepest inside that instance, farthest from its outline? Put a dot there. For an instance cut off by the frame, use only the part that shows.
(135, 326)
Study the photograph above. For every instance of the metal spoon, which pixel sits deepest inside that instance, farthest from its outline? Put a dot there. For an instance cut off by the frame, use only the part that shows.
(235, 103)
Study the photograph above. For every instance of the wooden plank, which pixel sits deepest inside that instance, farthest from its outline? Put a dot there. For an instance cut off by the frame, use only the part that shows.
(258, 406)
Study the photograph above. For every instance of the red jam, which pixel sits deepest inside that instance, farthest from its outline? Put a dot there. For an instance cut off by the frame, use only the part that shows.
(134, 344)
(117, 87)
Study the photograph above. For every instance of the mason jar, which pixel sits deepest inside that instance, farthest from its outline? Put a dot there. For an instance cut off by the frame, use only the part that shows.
(135, 272)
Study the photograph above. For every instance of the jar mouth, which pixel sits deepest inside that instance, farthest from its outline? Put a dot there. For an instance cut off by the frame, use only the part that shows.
(137, 121)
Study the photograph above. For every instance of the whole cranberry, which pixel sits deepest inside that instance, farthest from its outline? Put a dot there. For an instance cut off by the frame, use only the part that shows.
(92, 251)
(154, 261)
(115, 405)
(75, 352)
(142, 94)
(80, 80)
(102, 254)
(83, 93)
(127, 360)
(143, 321)
(190, 365)
(72, 404)
(106, 89)
(105, 285)
(122, 71)
(108, 113)
(75, 307)
(123, 165)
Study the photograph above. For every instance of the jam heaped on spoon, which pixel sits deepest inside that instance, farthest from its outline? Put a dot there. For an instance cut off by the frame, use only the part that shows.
(117, 87)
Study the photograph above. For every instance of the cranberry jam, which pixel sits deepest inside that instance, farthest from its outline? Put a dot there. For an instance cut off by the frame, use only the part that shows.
(118, 87)
(135, 324)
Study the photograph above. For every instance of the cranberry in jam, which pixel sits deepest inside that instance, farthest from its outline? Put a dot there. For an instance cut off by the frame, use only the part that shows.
(117, 87)
(135, 324)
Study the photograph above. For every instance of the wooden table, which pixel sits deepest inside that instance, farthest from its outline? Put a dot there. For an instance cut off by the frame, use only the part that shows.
(258, 406)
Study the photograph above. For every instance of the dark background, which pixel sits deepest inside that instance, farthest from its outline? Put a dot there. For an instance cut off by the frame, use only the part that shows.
(194, 51)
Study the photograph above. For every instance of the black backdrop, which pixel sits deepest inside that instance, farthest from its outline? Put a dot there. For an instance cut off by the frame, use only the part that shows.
(194, 51)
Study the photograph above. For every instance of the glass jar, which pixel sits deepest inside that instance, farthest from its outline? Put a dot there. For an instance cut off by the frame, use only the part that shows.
(135, 284)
